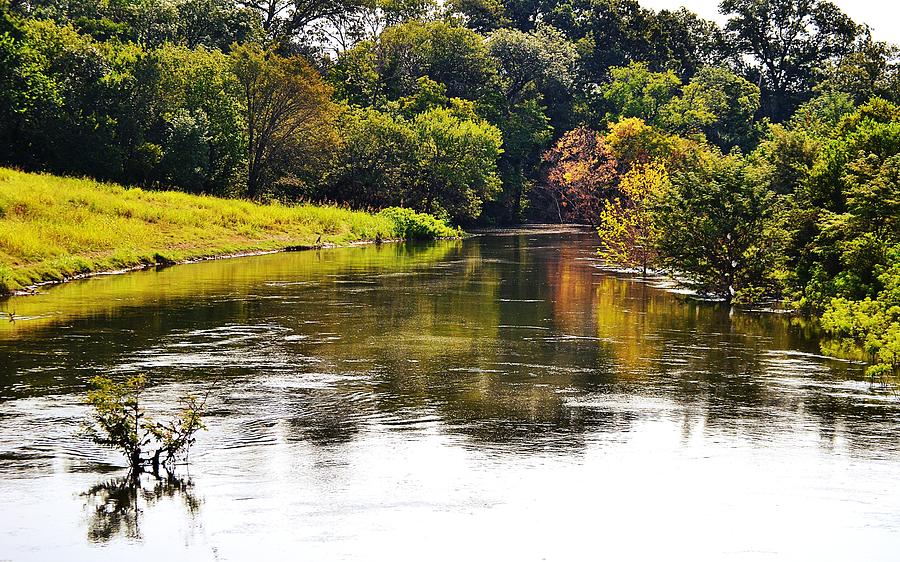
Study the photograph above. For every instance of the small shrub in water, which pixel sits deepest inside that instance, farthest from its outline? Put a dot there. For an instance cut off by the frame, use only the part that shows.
(120, 422)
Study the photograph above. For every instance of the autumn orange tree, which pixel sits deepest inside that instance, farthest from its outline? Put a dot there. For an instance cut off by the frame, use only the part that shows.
(581, 175)
(627, 234)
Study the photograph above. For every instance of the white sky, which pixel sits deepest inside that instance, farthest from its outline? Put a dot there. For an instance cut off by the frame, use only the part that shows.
(883, 16)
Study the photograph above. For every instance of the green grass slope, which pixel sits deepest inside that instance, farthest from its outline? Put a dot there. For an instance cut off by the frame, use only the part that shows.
(54, 228)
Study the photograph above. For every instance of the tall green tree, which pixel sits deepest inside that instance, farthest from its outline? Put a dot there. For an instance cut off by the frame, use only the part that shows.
(202, 135)
(718, 103)
(871, 69)
(531, 66)
(788, 40)
(712, 226)
(289, 118)
(454, 56)
(441, 160)
(636, 91)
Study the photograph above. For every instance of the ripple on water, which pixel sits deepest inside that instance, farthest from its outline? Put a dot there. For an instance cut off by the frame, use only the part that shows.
(36, 433)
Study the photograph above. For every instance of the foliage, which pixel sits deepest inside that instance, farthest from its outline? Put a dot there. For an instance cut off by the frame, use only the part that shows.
(870, 325)
(411, 225)
(712, 225)
(121, 422)
(289, 118)
(437, 161)
(581, 175)
(454, 56)
(542, 58)
(535, 85)
(844, 219)
(787, 41)
(626, 224)
(635, 91)
(632, 141)
(718, 103)
(615, 33)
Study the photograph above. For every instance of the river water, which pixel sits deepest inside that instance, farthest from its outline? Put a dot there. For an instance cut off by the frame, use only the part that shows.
(501, 397)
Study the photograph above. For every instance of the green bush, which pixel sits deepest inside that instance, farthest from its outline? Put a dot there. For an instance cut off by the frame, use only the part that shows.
(411, 225)
(119, 421)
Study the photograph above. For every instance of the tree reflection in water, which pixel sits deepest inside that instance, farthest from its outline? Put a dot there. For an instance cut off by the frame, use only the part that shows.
(114, 508)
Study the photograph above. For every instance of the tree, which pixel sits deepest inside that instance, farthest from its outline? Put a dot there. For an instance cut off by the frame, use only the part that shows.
(633, 142)
(289, 118)
(90, 104)
(636, 91)
(712, 227)
(442, 159)
(454, 56)
(788, 40)
(719, 104)
(542, 58)
(619, 32)
(842, 228)
(365, 20)
(690, 43)
(581, 175)
(215, 24)
(25, 88)
(284, 20)
(120, 421)
(871, 69)
(201, 131)
(483, 16)
(458, 160)
(531, 66)
(626, 229)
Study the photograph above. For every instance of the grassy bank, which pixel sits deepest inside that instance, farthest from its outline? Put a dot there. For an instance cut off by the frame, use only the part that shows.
(54, 228)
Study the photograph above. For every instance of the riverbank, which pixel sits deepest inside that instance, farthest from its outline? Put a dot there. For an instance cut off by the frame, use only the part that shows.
(54, 229)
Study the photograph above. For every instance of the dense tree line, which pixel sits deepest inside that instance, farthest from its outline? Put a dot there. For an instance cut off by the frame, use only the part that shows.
(373, 102)
(754, 160)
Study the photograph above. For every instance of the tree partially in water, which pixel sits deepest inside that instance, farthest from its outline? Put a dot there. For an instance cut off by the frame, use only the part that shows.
(627, 234)
(120, 421)
(713, 228)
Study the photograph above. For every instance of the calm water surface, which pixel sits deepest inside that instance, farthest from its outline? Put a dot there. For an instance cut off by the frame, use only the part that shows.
(501, 397)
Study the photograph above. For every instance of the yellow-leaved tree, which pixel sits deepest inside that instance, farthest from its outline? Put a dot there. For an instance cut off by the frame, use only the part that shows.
(626, 221)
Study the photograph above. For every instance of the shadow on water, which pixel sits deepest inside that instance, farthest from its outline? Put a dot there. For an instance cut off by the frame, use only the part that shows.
(114, 508)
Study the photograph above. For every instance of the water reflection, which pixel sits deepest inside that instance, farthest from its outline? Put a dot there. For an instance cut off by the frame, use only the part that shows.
(396, 390)
(508, 340)
(114, 508)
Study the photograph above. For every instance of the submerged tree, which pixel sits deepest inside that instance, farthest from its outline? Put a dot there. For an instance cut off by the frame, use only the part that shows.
(627, 234)
(122, 423)
(712, 228)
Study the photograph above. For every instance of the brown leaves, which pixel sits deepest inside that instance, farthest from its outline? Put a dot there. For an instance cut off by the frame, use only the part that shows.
(582, 174)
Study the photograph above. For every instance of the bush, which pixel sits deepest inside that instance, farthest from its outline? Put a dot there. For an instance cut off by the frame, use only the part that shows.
(411, 225)
(120, 422)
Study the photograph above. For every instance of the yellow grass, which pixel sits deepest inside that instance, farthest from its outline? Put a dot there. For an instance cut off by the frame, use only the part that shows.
(54, 228)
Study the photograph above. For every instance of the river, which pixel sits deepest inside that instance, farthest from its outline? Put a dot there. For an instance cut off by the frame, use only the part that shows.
(501, 397)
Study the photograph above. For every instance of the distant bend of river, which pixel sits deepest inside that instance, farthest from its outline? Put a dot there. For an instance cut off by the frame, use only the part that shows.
(501, 397)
